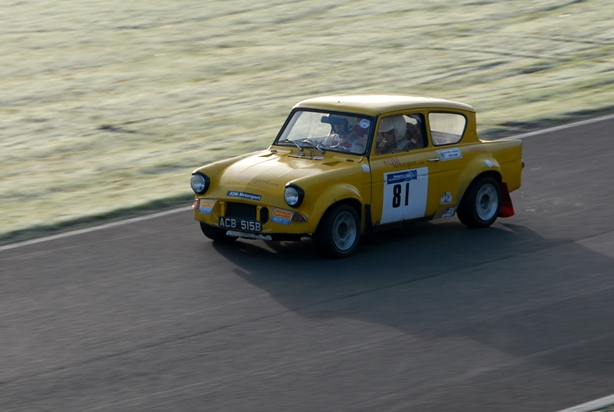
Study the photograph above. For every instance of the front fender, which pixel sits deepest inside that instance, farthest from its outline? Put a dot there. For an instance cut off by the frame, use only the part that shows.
(334, 194)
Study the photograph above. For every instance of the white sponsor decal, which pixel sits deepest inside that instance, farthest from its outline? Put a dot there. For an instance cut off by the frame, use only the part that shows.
(244, 195)
(450, 154)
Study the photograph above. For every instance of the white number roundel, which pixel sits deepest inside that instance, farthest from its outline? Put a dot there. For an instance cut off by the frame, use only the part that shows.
(405, 193)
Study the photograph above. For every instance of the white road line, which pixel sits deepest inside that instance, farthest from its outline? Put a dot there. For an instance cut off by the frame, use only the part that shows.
(592, 405)
(92, 229)
(156, 215)
(562, 127)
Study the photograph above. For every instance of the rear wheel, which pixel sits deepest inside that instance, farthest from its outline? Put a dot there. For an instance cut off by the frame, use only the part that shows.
(338, 233)
(481, 203)
(215, 233)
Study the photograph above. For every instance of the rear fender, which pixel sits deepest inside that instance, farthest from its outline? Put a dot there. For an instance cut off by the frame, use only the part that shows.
(509, 155)
(478, 166)
(507, 208)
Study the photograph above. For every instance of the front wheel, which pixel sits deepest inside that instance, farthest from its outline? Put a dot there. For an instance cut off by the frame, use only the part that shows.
(481, 203)
(338, 233)
(215, 233)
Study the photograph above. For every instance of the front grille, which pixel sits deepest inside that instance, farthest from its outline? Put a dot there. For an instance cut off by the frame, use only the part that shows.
(246, 212)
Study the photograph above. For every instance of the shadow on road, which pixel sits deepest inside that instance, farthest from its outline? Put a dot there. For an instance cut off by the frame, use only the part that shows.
(506, 287)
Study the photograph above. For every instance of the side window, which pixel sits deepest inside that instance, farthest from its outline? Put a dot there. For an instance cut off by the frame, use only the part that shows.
(400, 133)
(446, 128)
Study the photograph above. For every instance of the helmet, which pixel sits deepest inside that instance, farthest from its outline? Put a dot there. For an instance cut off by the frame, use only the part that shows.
(396, 123)
(334, 119)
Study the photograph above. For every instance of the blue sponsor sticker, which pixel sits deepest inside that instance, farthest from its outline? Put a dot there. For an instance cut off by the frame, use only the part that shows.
(250, 196)
(282, 216)
(205, 206)
(280, 220)
(404, 176)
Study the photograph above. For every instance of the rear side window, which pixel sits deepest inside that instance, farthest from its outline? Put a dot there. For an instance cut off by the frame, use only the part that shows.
(446, 128)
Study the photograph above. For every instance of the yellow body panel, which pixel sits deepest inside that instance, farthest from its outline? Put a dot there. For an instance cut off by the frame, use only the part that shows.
(426, 182)
(265, 174)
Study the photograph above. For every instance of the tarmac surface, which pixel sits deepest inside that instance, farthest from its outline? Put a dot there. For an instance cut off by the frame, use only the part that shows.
(150, 315)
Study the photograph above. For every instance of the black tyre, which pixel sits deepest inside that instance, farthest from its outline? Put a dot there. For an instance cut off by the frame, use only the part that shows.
(215, 233)
(338, 232)
(481, 203)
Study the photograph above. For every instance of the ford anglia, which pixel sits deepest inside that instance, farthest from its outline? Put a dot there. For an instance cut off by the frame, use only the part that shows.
(343, 166)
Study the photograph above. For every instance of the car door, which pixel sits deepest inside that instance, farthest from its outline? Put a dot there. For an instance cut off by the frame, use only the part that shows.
(407, 184)
(447, 159)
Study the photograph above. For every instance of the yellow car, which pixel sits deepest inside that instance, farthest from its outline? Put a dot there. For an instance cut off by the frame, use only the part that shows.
(343, 166)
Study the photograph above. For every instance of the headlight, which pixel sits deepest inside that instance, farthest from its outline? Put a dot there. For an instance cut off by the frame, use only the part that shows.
(293, 195)
(199, 183)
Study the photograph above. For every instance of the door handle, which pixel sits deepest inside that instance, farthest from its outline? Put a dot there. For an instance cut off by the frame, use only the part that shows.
(433, 159)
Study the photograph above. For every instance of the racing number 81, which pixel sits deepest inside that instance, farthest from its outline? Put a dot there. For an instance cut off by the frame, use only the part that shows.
(397, 194)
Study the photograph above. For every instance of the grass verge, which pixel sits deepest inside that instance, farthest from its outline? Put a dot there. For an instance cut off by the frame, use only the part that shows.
(106, 109)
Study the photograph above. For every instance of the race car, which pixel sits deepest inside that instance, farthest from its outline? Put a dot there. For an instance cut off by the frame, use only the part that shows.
(342, 167)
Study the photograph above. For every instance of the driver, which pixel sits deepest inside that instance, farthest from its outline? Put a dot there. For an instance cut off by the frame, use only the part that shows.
(343, 137)
(391, 135)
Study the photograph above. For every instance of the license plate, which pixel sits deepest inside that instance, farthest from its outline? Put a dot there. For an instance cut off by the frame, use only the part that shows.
(249, 226)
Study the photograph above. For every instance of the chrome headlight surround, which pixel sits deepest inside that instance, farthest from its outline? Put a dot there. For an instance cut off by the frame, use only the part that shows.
(293, 195)
(200, 183)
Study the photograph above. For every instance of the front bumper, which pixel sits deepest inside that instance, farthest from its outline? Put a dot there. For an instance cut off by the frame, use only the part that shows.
(274, 221)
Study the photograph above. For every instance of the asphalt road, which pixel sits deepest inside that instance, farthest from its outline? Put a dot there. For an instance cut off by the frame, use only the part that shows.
(152, 316)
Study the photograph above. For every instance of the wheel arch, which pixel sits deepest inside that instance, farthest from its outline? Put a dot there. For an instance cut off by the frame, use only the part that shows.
(494, 173)
(355, 203)
(339, 194)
